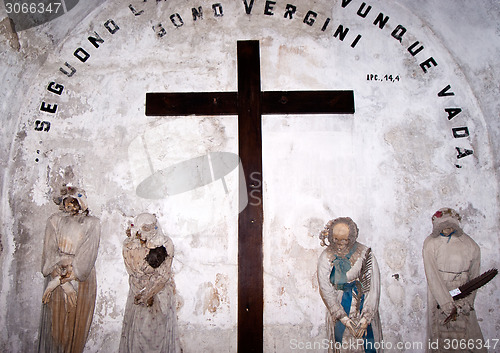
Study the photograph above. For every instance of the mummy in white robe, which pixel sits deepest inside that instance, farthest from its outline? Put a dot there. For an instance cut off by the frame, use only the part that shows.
(352, 319)
(150, 321)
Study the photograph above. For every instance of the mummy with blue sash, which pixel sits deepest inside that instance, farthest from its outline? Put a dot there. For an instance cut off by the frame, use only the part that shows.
(350, 288)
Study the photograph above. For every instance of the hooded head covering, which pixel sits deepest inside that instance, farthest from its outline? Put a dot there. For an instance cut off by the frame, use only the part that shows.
(70, 191)
(327, 232)
(446, 218)
(146, 225)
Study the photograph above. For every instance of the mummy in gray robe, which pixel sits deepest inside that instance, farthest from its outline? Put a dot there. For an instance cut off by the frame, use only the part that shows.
(451, 258)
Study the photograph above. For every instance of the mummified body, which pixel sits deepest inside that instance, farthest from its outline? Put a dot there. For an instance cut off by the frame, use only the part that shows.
(451, 258)
(69, 253)
(150, 321)
(349, 283)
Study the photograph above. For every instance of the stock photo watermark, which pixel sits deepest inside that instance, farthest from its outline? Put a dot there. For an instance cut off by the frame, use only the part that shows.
(190, 174)
(417, 346)
(25, 14)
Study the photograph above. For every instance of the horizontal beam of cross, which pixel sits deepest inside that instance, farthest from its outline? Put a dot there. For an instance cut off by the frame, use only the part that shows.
(226, 103)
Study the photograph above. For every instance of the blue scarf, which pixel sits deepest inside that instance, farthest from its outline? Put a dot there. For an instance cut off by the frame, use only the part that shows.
(338, 277)
(341, 265)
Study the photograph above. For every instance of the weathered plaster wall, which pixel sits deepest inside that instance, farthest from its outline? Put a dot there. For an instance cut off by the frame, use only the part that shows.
(389, 167)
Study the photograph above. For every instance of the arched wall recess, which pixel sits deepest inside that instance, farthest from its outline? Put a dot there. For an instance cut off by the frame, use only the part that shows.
(417, 141)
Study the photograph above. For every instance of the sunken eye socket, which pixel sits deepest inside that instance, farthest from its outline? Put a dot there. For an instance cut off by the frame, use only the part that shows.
(147, 227)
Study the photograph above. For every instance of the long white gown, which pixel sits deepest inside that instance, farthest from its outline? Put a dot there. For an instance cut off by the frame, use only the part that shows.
(149, 328)
(449, 263)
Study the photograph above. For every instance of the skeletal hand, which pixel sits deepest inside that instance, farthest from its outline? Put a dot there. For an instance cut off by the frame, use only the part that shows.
(70, 293)
(50, 288)
(138, 299)
(351, 326)
(362, 325)
(452, 316)
(68, 275)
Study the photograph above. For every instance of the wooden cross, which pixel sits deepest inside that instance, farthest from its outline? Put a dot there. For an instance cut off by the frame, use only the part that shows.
(249, 103)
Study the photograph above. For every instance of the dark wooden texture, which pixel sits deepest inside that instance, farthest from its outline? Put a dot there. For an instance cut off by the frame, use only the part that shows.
(250, 103)
(197, 103)
(226, 103)
(250, 221)
(308, 102)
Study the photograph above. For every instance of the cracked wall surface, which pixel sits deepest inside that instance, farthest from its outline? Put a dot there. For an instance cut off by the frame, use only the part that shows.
(390, 166)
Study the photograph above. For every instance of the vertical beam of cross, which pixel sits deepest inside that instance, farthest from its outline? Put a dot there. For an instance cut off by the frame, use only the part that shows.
(250, 220)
